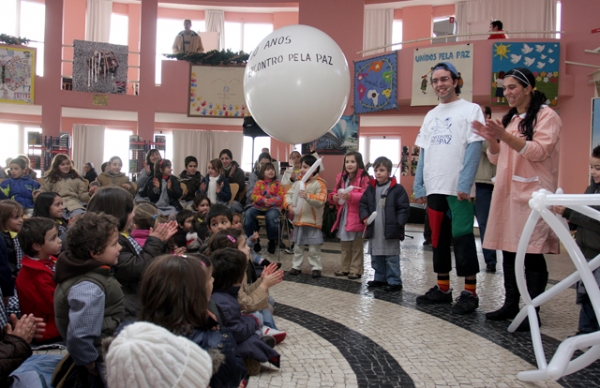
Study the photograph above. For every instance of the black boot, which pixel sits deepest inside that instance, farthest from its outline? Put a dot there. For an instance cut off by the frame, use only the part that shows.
(510, 309)
(536, 284)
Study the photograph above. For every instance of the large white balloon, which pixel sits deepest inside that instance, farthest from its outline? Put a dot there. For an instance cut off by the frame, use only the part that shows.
(297, 84)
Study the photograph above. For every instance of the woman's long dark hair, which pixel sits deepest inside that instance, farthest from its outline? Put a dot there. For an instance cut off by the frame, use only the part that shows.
(43, 202)
(360, 165)
(524, 77)
(54, 175)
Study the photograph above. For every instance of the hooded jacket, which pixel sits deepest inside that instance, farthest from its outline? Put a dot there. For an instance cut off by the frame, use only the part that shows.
(397, 207)
(20, 190)
(71, 271)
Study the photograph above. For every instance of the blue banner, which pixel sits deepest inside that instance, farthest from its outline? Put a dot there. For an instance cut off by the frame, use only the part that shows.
(375, 84)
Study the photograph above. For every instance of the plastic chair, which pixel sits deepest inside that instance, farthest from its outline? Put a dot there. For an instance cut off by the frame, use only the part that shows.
(561, 364)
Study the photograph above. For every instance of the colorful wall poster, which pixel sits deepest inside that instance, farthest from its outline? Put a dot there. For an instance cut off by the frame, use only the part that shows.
(17, 69)
(99, 67)
(424, 59)
(217, 91)
(375, 84)
(541, 58)
(339, 140)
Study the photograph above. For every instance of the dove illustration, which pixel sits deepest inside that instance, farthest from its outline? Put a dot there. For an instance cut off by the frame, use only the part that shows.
(543, 56)
(514, 58)
(540, 47)
(551, 60)
(540, 65)
(550, 51)
(526, 49)
(529, 61)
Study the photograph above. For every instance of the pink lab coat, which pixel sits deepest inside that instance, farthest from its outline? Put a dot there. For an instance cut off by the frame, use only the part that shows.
(517, 177)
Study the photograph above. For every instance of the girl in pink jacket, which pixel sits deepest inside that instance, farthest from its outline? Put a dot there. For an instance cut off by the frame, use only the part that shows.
(348, 223)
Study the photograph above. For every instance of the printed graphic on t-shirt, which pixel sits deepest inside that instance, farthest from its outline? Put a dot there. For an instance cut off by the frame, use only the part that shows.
(440, 132)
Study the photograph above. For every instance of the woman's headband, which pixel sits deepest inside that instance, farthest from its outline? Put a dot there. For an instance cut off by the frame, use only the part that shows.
(523, 78)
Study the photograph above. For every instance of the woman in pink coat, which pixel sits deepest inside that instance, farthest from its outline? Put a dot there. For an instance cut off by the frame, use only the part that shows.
(525, 147)
(348, 223)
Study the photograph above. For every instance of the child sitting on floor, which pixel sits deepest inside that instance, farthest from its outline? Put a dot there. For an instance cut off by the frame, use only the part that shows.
(229, 271)
(254, 293)
(41, 244)
(88, 301)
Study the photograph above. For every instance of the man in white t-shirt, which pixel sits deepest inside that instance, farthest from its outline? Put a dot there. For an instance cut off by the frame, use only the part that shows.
(446, 171)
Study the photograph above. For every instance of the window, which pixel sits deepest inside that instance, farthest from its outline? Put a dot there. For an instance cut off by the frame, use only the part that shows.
(253, 34)
(119, 29)
(166, 31)
(25, 19)
(372, 147)
(397, 34)
(9, 146)
(247, 158)
(233, 36)
(245, 36)
(116, 143)
(558, 18)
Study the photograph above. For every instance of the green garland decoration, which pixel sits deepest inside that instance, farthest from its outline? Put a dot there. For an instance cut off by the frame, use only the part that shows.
(213, 57)
(9, 39)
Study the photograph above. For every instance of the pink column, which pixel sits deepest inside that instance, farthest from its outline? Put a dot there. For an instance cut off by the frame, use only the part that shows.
(51, 83)
(343, 21)
(74, 28)
(577, 21)
(148, 93)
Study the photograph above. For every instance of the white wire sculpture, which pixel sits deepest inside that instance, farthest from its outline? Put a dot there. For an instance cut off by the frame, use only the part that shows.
(561, 364)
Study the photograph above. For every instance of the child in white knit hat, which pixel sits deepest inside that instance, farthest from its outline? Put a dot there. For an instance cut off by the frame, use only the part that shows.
(149, 356)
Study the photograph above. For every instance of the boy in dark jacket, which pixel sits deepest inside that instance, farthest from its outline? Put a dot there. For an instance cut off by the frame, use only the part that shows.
(20, 186)
(190, 178)
(588, 240)
(389, 199)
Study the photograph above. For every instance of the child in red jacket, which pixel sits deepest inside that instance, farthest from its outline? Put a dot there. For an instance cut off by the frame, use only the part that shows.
(40, 243)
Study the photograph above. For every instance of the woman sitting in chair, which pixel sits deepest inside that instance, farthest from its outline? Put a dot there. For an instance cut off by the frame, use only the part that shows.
(267, 200)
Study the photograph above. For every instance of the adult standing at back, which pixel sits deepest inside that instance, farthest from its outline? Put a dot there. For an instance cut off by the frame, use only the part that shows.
(446, 171)
(525, 147)
(484, 186)
(187, 41)
(233, 172)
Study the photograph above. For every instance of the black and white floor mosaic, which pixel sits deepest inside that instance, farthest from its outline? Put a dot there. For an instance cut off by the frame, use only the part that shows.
(341, 334)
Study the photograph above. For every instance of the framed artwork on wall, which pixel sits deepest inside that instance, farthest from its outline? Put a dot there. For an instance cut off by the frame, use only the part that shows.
(217, 91)
(100, 67)
(17, 69)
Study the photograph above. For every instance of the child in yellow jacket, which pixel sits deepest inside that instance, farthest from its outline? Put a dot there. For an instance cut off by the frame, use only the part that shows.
(308, 218)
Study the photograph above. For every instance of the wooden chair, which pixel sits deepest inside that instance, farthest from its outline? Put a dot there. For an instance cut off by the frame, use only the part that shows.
(234, 189)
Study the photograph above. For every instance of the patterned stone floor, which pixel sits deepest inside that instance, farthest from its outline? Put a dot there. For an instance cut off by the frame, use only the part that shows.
(340, 334)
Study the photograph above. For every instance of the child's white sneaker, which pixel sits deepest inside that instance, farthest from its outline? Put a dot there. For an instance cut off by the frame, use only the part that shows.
(277, 334)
